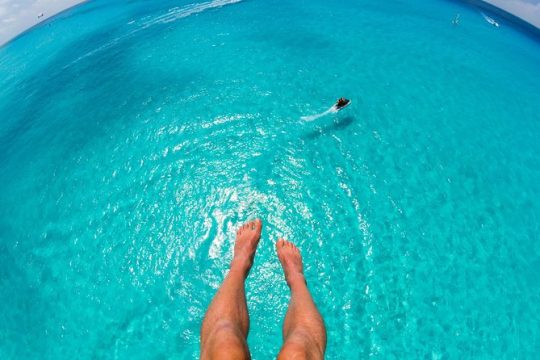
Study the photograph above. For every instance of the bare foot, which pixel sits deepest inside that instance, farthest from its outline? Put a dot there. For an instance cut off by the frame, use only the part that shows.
(247, 239)
(291, 261)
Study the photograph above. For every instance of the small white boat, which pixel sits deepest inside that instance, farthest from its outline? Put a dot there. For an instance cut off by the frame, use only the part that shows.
(490, 20)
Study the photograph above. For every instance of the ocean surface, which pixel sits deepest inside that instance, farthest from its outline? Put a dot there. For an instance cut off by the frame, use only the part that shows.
(136, 136)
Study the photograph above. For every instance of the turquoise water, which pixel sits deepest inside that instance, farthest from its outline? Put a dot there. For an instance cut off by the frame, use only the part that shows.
(136, 136)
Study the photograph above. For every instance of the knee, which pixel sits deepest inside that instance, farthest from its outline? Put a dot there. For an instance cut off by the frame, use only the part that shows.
(299, 346)
(225, 342)
(293, 351)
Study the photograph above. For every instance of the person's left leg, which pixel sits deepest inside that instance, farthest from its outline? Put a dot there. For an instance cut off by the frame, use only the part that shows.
(304, 333)
(226, 323)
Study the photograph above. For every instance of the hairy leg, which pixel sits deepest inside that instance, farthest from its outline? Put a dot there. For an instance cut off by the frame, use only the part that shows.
(226, 323)
(304, 334)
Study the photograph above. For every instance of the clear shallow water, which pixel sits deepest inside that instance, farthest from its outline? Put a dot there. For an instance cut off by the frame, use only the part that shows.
(136, 136)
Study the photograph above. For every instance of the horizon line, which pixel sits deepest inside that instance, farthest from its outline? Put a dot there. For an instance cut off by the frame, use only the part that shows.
(519, 22)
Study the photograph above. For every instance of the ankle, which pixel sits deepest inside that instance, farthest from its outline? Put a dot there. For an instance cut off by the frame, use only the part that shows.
(241, 265)
(296, 279)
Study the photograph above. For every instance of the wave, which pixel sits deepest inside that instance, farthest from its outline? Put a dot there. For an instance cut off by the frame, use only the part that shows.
(172, 15)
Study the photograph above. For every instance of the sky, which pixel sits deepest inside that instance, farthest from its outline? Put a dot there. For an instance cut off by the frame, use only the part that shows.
(528, 10)
(19, 15)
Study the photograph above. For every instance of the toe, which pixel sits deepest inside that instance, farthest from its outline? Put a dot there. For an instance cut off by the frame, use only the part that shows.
(257, 224)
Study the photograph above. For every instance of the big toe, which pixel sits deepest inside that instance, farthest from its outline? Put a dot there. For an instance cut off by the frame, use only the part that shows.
(256, 225)
(255, 228)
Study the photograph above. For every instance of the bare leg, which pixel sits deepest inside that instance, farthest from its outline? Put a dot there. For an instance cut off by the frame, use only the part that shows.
(304, 334)
(226, 323)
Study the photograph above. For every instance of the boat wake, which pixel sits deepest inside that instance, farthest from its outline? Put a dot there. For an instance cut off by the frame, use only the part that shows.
(332, 110)
(490, 20)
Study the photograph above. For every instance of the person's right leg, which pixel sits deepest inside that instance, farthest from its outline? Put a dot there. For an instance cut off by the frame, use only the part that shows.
(226, 322)
(304, 334)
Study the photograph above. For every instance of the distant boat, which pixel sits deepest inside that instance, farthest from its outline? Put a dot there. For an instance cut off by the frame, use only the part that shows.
(490, 20)
(40, 15)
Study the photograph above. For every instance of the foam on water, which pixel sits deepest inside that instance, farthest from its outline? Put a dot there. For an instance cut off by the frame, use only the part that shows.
(136, 136)
(172, 15)
(185, 11)
(331, 110)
